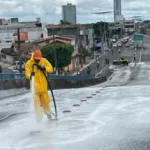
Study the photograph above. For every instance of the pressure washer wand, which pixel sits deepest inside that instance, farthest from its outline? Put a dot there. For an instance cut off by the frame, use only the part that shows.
(32, 73)
(32, 80)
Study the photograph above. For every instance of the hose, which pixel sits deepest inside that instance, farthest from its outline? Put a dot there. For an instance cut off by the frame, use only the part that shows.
(51, 93)
(50, 90)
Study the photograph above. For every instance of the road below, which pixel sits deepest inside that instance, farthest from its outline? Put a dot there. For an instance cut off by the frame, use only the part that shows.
(111, 117)
(102, 61)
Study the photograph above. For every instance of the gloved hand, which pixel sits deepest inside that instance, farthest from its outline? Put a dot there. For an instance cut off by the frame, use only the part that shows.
(42, 68)
(32, 74)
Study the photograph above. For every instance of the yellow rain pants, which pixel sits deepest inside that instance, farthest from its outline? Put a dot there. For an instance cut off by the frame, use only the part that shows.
(42, 104)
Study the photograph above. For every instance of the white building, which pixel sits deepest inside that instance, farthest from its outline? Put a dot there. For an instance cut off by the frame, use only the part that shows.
(129, 26)
(28, 33)
(69, 13)
(117, 9)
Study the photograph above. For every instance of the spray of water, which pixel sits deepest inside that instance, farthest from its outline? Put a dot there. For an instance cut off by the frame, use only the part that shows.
(32, 92)
(32, 88)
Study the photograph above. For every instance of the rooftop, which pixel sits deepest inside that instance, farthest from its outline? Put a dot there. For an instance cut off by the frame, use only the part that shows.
(50, 26)
(15, 26)
(14, 50)
(25, 47)
(63, 39)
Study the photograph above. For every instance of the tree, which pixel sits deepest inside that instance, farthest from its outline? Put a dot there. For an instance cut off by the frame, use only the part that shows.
(99, 28)
(64, 22)
(64, 54)
(83, 52)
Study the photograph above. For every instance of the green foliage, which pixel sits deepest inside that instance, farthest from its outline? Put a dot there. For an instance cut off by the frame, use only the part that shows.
(99, 28)
(64, 22)
(83, 52)
(64, 54)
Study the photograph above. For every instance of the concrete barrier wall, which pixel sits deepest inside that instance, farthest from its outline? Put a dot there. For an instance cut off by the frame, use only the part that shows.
(15, 87)
(55, 83)
(65, 84)
(9, 88)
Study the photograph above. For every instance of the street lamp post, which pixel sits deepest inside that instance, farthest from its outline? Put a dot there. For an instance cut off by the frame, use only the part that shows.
(55, 53)
(104, 34)
(93, 42)
(103, 38)
(20, 62)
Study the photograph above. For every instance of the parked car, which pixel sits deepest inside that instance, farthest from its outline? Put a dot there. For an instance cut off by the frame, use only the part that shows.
(114, 45)
(121, 61)
(127, 45)
(130, 43)
(106, 49)
(119, 44)
(114, 40)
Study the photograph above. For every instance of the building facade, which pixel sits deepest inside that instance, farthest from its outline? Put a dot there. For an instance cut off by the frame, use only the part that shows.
(28, 33)
(129, 26)
(117, 9)
(83, 33)
(69, 13)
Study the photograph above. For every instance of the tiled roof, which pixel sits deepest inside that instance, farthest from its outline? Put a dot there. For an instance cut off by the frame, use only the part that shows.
(61, 41)
(63, 38)
(8, 51)
(24, 47)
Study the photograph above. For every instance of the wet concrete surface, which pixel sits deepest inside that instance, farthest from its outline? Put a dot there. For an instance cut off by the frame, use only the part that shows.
(114, 118)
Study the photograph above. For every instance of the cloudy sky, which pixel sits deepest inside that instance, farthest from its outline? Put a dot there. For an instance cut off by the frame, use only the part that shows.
(50, 10)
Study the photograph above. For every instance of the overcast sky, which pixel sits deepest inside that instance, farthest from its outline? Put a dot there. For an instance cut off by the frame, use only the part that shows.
(50, 10)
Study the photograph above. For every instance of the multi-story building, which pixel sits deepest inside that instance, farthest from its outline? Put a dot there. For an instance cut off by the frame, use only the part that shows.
(29, 32)
(129, 26)
(117, 10)
(83, 33)
(69, 13)
(9, 21)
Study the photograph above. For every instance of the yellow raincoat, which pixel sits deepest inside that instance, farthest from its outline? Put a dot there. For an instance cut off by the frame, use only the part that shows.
(42, 100)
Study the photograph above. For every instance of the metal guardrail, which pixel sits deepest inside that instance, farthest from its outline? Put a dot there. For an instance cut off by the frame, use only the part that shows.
(72, 77)
(4, 76)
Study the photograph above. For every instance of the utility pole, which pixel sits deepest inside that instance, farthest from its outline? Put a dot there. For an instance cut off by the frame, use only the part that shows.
(93, 41)
(55, 53)
(20, 63)
(78, 43)
(101, 35)
(103, 13)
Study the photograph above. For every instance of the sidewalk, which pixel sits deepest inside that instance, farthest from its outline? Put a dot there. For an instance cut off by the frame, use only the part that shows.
(89, 60)
(85, 65)
(5, 65)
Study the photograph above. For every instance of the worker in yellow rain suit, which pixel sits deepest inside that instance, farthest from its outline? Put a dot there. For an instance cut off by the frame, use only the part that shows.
(42, 99)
